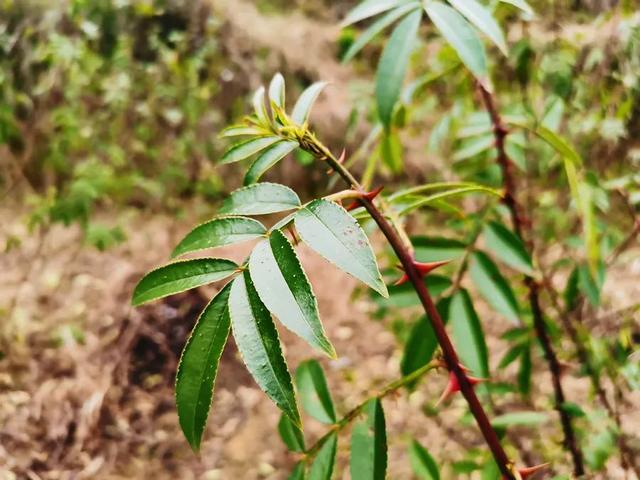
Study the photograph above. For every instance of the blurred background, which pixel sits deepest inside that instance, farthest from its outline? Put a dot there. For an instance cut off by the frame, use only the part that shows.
(109, 118)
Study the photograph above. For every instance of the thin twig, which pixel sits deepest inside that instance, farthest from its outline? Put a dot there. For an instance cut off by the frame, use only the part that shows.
(312, 145)
(520, 225)
(354, 412)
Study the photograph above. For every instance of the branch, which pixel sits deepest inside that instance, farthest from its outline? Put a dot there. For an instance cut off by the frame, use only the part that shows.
(353, 413)
(520, 225)
(310, 143)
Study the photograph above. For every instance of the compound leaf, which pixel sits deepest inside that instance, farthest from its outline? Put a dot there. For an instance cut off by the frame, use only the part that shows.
(199, 365)
(181, 276)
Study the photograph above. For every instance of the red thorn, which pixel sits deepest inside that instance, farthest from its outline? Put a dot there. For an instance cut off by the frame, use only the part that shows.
(524, 473)
(424, 268)
(366, 196)
(403, 279)
(453, 386)
(373, 193)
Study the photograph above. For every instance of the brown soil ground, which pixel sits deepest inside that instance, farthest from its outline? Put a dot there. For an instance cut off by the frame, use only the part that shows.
(86, 383)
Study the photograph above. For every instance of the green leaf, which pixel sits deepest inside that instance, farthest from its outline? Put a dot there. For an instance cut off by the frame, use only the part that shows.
(435, 249)
(422, 463)
(461, 36)
(508, 247)
(558, 143)
(391, 151)
(259, 106)
(524, 372)
(247, 149)
(301, 110)
(260, 199)
(369, 8)
(481, 17)
(528, 419)
(291, 434)
(258, 342)
(276, 90)
(467, 334)
(284, 288)
(181, 276)
(298, 472)
(430, 199)
(314, 392)
(329, 230)
(493, 286)
(522, 5)
(588, 286)
(473, 147)
(241, 131)
(377, 27)
(219, 232)
(393, 65)
(421, 345)
(267, 159)
(368, 458)
(322, 466)
(199, 365)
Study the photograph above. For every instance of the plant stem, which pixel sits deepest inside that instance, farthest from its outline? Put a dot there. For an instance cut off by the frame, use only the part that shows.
(354, 412)
(311, 144)
(521, 225)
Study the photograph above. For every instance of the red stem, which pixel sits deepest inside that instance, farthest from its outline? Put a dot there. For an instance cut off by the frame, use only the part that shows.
(521, 225)
(448, 350)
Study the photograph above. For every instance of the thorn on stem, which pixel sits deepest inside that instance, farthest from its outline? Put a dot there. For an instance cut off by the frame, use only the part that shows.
(364, 196)
(424, 268)
(524, 473)
(453, 386)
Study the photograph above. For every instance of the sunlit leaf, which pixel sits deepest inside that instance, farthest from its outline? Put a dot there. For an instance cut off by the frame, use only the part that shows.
(260, 199)
(522, 5)
(277, 90)
(181, 276)
(247, 149)
(199, 365)
(468, 335)
(259, 106)
(267, 159)
(333, 233)
(461, 36)
(508, 247)
(219, 232)
(493, 286)
(305, 102)
(314, 392)
(369, 8)
(242, 131)
(368, 458)
(284, 288)
(258, 342)
(393, 65)
(377, 27)
(482, 18)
